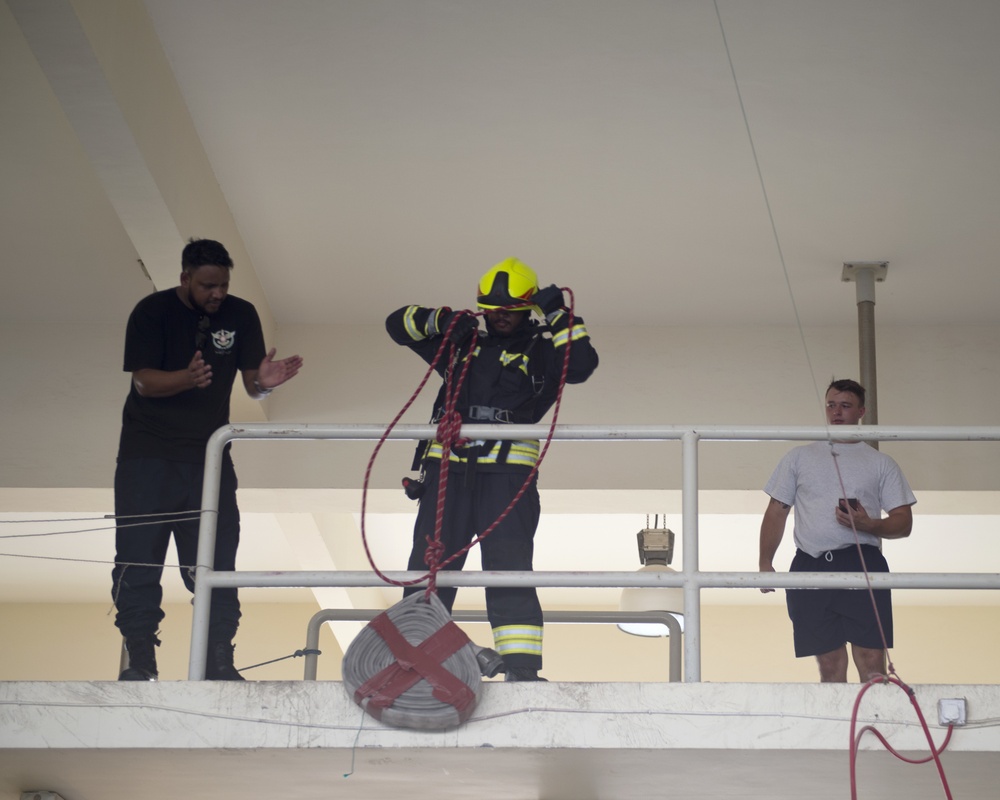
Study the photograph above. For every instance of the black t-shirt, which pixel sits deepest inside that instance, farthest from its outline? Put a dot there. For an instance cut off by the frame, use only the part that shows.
(162, 334)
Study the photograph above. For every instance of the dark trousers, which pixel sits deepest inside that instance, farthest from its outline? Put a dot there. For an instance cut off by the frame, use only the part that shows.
(154, 486)
(472, 504)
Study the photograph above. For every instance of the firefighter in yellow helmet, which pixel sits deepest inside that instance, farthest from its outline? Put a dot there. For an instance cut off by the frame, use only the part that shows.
(514, 377)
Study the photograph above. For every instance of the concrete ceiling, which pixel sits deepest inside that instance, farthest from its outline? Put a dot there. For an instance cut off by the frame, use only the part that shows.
(681, 163)
(370, 152)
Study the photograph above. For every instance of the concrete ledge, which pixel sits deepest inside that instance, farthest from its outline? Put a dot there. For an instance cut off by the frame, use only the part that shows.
(182, 714)
(558, 741)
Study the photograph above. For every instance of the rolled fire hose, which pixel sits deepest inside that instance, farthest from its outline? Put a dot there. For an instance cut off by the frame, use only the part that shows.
(413, 667)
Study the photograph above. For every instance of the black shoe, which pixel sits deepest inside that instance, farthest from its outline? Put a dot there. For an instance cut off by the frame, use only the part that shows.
(522, 674)
(141, 659)
(219, 666)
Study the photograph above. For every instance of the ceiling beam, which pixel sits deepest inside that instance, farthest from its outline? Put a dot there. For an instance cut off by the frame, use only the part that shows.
(59, 43)
(108, 72)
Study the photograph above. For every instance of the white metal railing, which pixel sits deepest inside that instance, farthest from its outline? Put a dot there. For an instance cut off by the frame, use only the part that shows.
(690, 579)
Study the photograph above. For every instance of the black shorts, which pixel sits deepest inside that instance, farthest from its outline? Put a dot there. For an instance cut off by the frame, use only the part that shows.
(825, 619)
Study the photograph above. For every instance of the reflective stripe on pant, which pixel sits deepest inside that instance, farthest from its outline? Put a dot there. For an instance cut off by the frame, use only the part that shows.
(514, 612)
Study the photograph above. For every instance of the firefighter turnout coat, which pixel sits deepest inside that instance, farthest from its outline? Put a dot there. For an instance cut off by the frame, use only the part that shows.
(512, 379)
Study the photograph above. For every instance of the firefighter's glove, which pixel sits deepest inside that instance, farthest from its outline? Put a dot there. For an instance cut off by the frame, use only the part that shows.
(465, 324)
(550, 300)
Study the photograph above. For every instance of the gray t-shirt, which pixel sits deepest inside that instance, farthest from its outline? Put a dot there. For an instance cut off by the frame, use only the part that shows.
(807, 479)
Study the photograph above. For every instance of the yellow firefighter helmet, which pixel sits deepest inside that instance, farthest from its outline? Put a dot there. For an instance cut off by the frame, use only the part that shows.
(510, 284)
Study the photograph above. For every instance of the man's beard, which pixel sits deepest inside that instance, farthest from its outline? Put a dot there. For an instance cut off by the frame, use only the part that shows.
(200, 308)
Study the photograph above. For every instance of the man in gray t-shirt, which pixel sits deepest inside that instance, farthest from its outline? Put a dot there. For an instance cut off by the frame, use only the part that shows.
(810, 478)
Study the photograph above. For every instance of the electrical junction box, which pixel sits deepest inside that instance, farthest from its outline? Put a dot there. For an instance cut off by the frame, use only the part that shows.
(952, 711)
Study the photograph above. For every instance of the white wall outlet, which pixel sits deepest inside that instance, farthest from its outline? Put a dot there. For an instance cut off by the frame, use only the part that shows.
(952, 711)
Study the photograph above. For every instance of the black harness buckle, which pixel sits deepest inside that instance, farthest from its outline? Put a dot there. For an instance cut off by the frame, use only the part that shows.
(489, 414)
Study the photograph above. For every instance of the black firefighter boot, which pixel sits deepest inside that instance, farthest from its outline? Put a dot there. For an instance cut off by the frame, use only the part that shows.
(141, 658)
(522, 674)
(219, 664)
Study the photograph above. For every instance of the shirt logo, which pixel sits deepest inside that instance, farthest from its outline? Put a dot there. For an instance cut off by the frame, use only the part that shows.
(223, 340)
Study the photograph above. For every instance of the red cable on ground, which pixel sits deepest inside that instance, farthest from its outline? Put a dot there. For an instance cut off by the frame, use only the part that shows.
(856, 738)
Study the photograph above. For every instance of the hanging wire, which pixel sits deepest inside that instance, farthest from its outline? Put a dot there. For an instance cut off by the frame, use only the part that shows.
(189, 515)
(103, 516)
(767, 205)
(93, 530)
(308, 651)
(791, 295)
(833, 454)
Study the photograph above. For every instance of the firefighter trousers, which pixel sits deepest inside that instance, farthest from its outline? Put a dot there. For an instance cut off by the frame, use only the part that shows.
(473, 502)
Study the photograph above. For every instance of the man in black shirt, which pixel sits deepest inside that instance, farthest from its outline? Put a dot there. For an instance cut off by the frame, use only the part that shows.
(184, 347)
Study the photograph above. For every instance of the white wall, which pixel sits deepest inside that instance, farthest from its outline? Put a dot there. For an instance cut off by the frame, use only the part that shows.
(57, 642)
(63, 391)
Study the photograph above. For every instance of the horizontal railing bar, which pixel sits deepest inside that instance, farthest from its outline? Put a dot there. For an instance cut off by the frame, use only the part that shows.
(368, 432)
(577, 580)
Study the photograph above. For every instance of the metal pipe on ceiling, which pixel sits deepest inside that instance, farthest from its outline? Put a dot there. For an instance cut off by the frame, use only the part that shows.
(865, 274)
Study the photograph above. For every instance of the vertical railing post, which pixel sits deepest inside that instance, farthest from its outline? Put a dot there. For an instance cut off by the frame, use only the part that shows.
(206, 555)
(689, 533)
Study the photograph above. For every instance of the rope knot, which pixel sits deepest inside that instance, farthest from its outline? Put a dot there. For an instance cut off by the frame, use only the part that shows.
(448, 431)
(435, 550)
